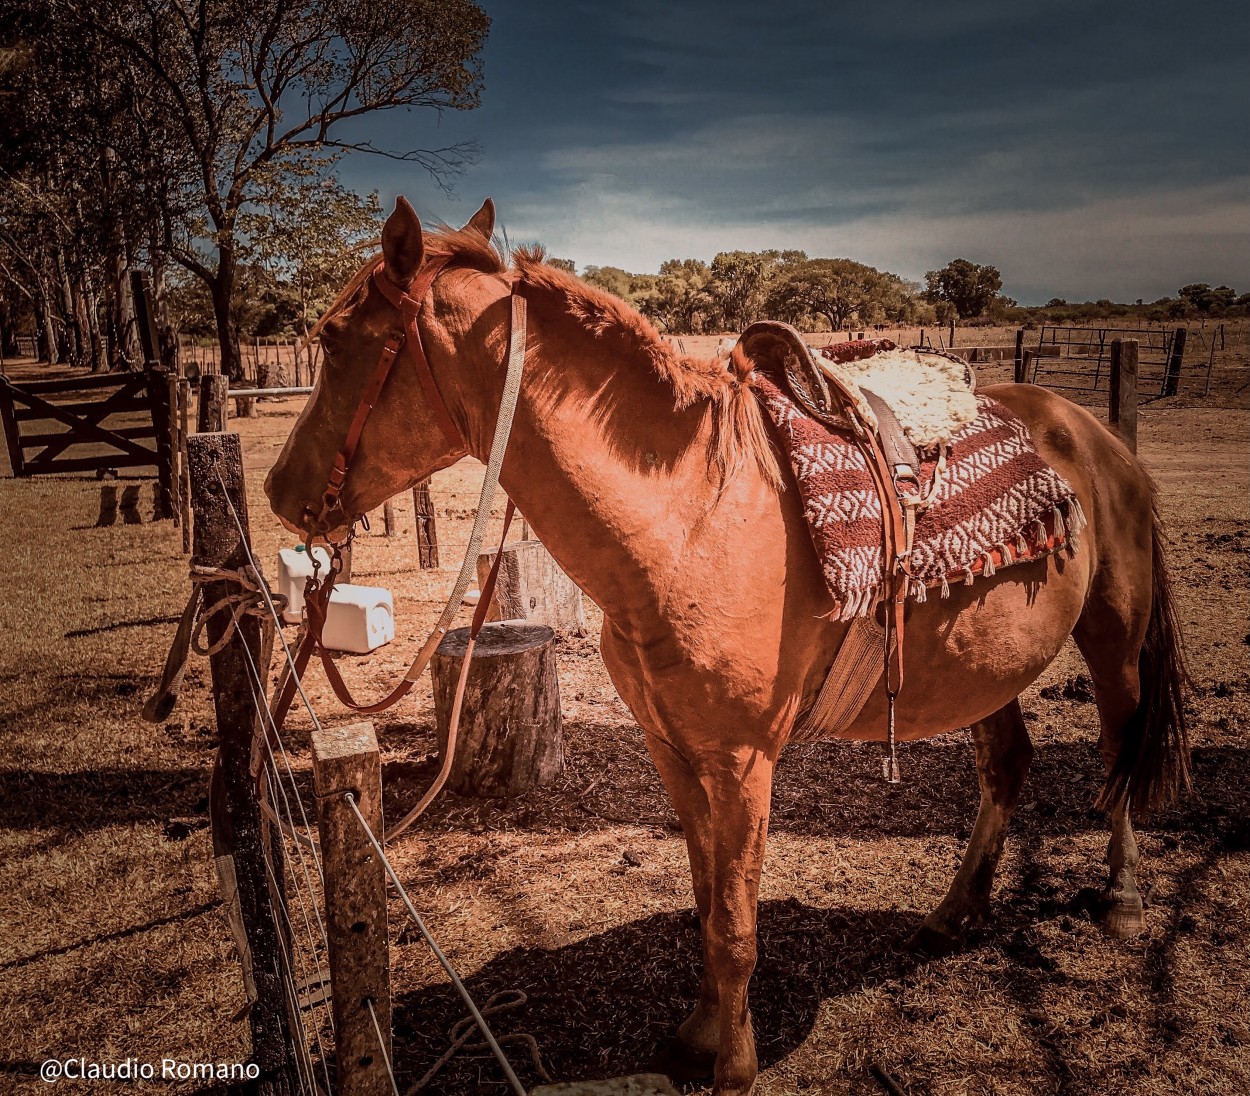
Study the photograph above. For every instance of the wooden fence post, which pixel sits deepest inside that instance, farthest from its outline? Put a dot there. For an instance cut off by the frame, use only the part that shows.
(1172, 378)
(212, 414)
(163, 418)
(145, 317)
(427, 530)
(162, 391)
(1025, 368)
(183, 391)
(346, 759)
(216, 462)
(388, 517)
(1018, 358)
(1122, 413)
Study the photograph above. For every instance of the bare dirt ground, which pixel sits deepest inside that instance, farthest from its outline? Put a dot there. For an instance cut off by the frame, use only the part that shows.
(113, 942)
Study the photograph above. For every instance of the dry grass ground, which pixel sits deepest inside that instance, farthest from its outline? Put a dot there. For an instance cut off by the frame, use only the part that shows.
(112, 942)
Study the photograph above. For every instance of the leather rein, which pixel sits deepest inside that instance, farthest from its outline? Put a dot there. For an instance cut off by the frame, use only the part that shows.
(318, 590)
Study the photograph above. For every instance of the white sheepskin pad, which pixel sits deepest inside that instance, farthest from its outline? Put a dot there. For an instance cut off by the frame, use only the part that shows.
(931, 395)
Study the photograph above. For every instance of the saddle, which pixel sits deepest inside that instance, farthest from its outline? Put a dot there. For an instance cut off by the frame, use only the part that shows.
(830, 396)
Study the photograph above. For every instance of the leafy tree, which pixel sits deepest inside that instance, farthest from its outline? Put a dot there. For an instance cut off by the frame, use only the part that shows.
(567, 265)
(968, 287)
(840, 290)
(306, 230)
(680, 298)
(611, 279)
(232, 93)
(1206, 300)
(740, 282)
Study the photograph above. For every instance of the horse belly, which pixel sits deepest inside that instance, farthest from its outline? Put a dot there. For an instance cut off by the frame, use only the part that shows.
(967, 656)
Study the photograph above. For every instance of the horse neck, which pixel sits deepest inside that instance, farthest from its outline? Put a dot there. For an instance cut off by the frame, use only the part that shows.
(599, 462)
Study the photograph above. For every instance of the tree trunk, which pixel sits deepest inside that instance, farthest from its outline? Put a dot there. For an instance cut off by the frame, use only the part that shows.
(509, 739)
(531, 586)
(92, 307)
(48, 346)
(222, 287)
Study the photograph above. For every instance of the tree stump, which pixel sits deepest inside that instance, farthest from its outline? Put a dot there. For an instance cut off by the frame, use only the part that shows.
(510, 740)
(532, 587)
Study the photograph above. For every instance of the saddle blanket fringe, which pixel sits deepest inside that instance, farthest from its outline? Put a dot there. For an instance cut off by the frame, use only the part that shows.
(997, 503)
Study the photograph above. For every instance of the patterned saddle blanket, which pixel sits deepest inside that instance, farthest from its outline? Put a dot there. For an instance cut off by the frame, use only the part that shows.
(996, 502)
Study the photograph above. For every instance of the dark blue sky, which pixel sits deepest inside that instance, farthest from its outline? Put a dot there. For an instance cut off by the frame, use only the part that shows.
(1087, 149)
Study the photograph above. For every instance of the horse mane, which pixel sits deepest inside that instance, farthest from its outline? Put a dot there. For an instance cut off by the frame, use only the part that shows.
(738, 430)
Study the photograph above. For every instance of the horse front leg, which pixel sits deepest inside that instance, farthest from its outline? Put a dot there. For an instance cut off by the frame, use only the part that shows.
(691, 1054)
(739, 794)
(1004, 753)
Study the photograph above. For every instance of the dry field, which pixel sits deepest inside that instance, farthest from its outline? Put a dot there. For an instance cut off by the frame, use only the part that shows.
(113, 942)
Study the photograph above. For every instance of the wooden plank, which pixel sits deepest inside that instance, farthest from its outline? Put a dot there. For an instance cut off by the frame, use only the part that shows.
(147, 430)
(9, 422)
(82, 384)
(346, 760)
(216, 467)
(128, 406)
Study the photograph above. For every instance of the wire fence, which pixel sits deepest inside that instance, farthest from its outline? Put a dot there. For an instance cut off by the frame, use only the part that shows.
(296, 874)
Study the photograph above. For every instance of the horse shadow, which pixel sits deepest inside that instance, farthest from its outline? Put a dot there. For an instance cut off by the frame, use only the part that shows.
(604, 1005)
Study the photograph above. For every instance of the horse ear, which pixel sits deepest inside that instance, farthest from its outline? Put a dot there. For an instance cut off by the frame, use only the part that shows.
(402, 244)
(484, 219)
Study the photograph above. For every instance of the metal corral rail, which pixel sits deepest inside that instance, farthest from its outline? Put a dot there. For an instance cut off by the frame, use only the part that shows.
(1079, 358)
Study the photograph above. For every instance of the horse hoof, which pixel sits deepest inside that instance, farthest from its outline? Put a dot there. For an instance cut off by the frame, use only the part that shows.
(933, 942)
(682, 1062)
(1124, 920)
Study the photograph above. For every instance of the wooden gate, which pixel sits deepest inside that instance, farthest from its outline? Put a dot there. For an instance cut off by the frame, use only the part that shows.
(145, 402)
(90, 438)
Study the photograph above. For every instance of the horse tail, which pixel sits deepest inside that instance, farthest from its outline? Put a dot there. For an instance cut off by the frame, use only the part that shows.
(1152, 767)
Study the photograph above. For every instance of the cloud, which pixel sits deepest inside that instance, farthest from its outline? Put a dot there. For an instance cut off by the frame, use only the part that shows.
(1067, 141)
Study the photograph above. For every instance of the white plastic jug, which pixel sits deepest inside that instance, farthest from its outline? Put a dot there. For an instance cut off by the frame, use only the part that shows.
(359, 619)
(294, 567)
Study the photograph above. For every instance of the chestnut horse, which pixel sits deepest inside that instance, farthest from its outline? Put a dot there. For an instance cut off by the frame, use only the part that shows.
(653, 481)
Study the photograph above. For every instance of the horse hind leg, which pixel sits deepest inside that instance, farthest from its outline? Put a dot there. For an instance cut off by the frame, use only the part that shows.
(1128, 637)
(1003, 753)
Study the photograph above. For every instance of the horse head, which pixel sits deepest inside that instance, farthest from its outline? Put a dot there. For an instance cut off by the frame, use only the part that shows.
(379, 420)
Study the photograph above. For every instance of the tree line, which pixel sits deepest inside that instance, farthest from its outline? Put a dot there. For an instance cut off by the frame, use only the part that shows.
(692, 297)
(199, 140)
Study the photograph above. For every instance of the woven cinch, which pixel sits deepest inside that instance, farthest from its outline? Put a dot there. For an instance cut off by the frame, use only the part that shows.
(997, 503)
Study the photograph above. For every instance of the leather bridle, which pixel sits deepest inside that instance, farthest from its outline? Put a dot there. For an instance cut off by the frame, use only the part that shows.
(408, 336)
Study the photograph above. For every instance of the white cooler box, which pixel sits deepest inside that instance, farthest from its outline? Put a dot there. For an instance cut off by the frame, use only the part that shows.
(360, 619)
(294, 567)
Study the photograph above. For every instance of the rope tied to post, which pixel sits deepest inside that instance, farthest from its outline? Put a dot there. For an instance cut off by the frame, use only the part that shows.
(248, 596)
(248, 599)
